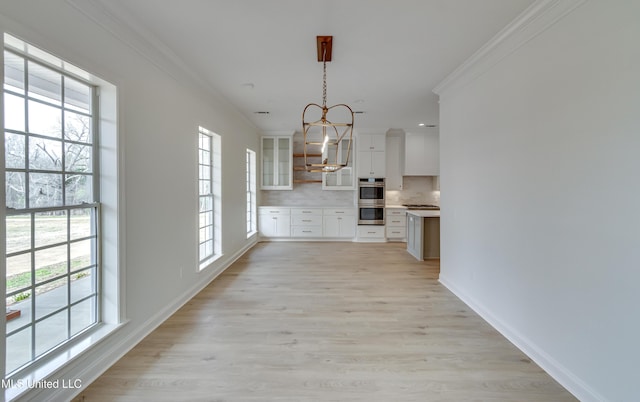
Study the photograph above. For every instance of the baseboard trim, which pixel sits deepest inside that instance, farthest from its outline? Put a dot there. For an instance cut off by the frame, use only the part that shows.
(557, 371)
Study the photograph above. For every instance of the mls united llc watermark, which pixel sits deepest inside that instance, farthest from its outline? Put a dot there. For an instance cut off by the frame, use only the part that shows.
(45, 384)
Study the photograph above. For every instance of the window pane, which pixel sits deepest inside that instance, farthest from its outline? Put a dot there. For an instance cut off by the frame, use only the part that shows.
(45, 154)
(45, 190)
(77, 127)
(79, 189)
(13, 72)
(18, 272)
(13, 112)
(14, 151)
(50, 228)
(14, 187)
(81, 254)
(77, 158)
(44, 83)
(81, 224)
(50, 263)
(18, 229)
(83, 315)
(77, 95)
(45, 119)
(82, 284)
(50, 297)
(18, 349)
(51, 332)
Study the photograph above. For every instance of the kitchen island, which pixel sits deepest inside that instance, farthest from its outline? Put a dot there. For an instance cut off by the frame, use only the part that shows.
(423, 233)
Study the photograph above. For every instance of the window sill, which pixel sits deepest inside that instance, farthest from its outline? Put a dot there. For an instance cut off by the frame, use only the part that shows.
(207, 263)
(35, 376)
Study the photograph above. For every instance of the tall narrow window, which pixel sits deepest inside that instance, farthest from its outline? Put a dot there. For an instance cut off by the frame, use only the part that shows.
(53, 208)
(251, 193)
(209, 244)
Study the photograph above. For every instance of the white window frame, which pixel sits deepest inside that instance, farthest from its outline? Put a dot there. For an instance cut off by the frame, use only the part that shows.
(111, 298)
(209, 197)
(251, 193)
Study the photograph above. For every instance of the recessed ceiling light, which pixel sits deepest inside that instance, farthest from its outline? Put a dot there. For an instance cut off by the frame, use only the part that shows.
(359, 112)
(421, 124)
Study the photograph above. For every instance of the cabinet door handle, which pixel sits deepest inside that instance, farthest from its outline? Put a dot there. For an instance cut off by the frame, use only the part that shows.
(306, 220)
(339, 219)
(306, 231)
(339, 212)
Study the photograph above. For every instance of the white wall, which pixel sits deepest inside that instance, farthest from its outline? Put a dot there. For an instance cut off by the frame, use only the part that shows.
(159, 118)
(540, 165)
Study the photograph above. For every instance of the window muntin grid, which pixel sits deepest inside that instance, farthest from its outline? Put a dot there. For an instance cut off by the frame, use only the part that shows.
(52, 208)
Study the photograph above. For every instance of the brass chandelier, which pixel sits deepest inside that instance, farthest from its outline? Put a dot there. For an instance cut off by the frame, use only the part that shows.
(327, 143)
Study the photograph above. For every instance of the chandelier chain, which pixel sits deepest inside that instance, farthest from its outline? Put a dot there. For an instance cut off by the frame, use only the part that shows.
(324, 75)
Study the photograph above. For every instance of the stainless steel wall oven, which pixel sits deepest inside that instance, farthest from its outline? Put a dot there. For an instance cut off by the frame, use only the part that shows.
(371, 201)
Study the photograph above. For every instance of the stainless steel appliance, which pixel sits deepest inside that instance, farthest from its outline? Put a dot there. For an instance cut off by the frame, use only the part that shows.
(371, 201)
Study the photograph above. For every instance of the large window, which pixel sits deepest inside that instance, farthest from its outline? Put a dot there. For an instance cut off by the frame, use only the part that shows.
(53, 209)
(251, 193)
(209, 244)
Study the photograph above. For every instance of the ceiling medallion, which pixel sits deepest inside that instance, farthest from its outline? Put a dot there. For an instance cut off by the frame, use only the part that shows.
(329, 140)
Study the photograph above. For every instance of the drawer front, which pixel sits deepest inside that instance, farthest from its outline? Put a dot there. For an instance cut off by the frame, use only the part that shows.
(396, 232)
(339, 211)
(273, 211)
(306, 231)
(397, 221)
(306, 211)
(372, 231)
(306, 220)
(396, 212)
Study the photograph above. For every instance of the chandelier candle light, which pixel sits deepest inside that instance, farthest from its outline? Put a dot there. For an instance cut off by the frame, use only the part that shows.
(321, 132)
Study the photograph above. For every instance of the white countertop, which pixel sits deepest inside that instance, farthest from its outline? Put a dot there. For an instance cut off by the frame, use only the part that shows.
(424, 213)
(395, 206)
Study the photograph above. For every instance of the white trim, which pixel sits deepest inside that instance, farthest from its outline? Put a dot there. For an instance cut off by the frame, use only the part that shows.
(536, 19)
(565, 377)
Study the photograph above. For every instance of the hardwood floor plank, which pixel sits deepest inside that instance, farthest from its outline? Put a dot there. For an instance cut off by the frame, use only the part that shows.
(326, 322)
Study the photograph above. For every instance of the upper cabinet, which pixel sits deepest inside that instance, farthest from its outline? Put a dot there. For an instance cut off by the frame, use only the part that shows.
(421, 154)
(371, 160)
(342, 179)
(277, 166)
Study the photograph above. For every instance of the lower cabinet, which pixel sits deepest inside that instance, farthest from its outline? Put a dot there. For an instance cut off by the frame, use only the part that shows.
(274, 221)
(339, 222)
(396, 224)
(300, 222)
(306, 222)
(371, 233)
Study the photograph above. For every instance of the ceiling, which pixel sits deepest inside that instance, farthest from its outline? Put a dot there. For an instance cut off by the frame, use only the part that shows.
(261, 54)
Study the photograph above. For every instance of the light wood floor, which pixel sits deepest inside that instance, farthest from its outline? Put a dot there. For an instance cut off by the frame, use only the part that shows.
(326, 322)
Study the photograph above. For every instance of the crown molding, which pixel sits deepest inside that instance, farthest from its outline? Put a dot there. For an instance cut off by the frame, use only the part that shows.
(536, 19)
(142, 41)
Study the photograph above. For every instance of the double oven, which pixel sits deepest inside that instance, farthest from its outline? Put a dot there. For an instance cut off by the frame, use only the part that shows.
(371, 201)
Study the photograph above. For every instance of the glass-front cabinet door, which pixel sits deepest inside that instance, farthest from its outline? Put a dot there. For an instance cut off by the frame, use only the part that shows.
(343, 179)
(277, 165)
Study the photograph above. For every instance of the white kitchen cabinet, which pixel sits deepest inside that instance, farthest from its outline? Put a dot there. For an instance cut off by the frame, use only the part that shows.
(371, 164)
(371, 159)
(421, 154)
(396, 225)
(414, 236)
(277, 162)
(339, 222)
(371, 233)
(395, 161)
(306, 222)
(274, 221)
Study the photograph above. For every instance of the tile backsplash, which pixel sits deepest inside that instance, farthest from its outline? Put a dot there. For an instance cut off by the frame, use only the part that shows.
(306, 195)
(415, 190)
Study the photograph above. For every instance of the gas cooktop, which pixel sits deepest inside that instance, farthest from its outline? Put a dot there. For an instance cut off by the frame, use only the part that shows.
(421, 206)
